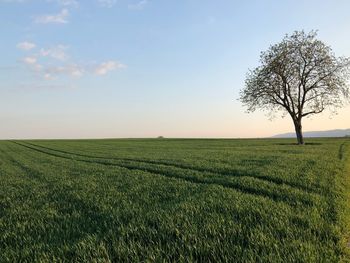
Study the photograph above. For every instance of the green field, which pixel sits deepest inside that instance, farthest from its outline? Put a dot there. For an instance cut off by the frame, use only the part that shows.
(160, 200)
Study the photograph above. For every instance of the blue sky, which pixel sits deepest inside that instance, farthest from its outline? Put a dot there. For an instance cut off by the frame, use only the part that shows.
(131, 68)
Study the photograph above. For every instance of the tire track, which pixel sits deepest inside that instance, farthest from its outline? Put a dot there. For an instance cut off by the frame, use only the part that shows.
(286, 197)
(234, 173)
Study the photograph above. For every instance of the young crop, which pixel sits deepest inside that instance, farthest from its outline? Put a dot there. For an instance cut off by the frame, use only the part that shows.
(174, 201)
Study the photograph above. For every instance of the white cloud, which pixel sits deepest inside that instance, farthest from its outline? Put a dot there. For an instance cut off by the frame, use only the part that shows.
(32, 63)
(52, 72)
(26, 45)
(68, 3)
(30, 60)
(107, 3)
(60, 18)
(53, 63)
(48, 76)
(108, 66)
(72, 70)
(37, 67)
(138, 6)
(57, 52)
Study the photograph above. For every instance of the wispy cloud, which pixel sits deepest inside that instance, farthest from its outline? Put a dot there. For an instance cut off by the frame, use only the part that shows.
(53, 63)
(52, 72)
(57, 52)
(60, 18)
(32, 63)
(72, 70)
(77, 71)
(139, 5)
(26, 45)
(68, 3)
(107, 3)
(30, 60)
(108, 66)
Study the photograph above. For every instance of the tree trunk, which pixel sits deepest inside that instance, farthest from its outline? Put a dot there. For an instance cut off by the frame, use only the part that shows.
(299, 132)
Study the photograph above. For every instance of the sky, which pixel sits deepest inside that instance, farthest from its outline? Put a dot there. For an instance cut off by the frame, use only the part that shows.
(148, 68)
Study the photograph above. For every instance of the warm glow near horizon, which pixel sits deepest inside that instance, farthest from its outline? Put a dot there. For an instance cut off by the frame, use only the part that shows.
(120, 69)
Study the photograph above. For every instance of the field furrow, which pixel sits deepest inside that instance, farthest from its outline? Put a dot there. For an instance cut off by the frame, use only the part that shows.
(243, 183)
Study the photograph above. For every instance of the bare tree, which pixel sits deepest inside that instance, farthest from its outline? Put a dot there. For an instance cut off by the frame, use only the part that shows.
(299, 76)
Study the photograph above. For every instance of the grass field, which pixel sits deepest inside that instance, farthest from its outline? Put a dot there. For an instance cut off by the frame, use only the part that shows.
(174, 200)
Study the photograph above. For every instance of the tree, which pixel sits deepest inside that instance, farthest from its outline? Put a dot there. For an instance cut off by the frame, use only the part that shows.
(300, 76)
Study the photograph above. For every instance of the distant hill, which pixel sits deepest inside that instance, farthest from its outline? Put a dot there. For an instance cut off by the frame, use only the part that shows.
(330, 133)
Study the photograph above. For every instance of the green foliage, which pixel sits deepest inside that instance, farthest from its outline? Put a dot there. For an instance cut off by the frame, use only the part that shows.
(174, 200)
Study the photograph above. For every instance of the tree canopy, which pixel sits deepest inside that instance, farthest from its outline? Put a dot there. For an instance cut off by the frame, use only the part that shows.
(300, 76)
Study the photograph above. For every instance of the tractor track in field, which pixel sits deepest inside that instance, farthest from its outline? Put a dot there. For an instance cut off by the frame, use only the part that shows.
(28, 171)
(279, 197)
(189, 168)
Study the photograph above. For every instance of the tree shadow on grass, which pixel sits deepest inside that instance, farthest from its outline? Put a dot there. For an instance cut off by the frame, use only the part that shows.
(295, 144)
